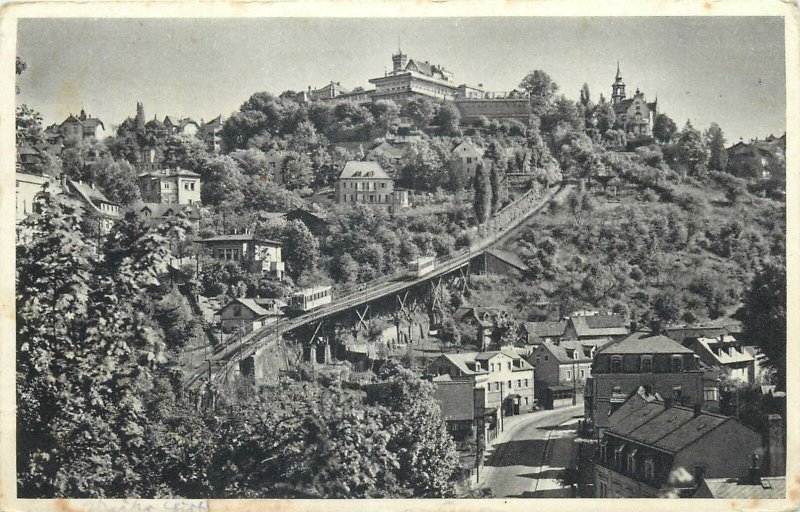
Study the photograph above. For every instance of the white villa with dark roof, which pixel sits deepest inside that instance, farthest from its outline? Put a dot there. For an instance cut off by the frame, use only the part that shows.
(258, 254)
(368, 183)
(170, 186)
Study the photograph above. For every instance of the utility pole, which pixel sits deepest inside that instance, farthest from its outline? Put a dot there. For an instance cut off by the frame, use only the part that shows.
(574, 382)
(502, 424)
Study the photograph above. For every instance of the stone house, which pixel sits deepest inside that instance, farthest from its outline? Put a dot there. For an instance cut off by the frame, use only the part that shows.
(368, 183)
(170, 186)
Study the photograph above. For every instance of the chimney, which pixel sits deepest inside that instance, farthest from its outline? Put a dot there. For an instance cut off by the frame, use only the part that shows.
(634, 326)
(776, 446)
(754, 471)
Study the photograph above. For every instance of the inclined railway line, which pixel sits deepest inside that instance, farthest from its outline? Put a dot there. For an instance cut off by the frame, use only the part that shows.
(240, 347)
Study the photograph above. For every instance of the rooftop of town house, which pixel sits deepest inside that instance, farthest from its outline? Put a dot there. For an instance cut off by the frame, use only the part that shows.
(244, 237)
(649, 421)
(767, 487)
(250, 304)
(546, 329)
(645, 343)
(725, 351)
(599, 325)
(367, 170)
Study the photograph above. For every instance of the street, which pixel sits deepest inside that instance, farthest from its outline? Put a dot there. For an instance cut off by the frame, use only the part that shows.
(526, 459)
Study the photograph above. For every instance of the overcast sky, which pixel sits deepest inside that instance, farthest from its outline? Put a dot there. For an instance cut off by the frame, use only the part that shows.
(724, 69)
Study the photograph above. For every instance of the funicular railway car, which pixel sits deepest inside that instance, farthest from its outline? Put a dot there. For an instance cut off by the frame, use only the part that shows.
(421, 266)
(309, 298)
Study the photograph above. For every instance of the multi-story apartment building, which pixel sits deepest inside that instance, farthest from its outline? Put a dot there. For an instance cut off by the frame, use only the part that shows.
(655, 447)
(368, 183)
(562, 368)
(656, 363)
(504, 375)
(174, 186)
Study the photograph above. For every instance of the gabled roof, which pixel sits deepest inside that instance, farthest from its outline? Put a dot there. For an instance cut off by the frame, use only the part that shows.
(645, 343)
(166, 173)
(89, 194)
(71, 119)
(238, 238)
(599, 325)
(463, 362)
(681, 333)
(546, 329)
(725, 350)
(670, 429)
(250, 304)
(371, 170)
(467, 147)
(561, 351)
(768, 487)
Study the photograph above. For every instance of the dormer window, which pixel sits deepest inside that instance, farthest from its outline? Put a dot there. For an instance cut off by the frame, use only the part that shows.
(649, 469)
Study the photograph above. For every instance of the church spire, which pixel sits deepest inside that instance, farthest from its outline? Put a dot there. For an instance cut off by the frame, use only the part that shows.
(617, 88)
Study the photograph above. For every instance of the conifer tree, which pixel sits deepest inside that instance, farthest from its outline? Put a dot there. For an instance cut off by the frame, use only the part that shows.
(482, 200)
(496, 193)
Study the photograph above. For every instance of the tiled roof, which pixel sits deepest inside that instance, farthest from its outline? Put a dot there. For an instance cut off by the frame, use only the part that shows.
(456, 399)
(562, 350)
(91, 194)
(681, 333)
(599, 325)
(238, 238)
(250, 304)
(462, 362)
(670, 429)
(773, 487)
(546, 329)
(644, 343)
(725, 351)
(355, 169)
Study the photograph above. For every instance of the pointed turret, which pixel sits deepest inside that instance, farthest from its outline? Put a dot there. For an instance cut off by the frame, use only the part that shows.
(617, 88)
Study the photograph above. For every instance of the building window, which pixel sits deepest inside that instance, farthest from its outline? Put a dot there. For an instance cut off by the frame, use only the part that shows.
(497, 386)
(546, 358)
(677, 392)
(618, 456)
(569, 374)
(649, 469)
(616, 364)
(237, 310)
(604, 451)
(519, 383)
(583, 374)
(509, 385)
(647, 364)
(710, 394)
(677, 364)
(509, 365)
(526, 383)
(603, 488)
(632, 462)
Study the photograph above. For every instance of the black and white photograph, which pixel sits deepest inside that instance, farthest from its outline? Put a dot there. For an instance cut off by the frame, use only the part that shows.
(489, 255)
